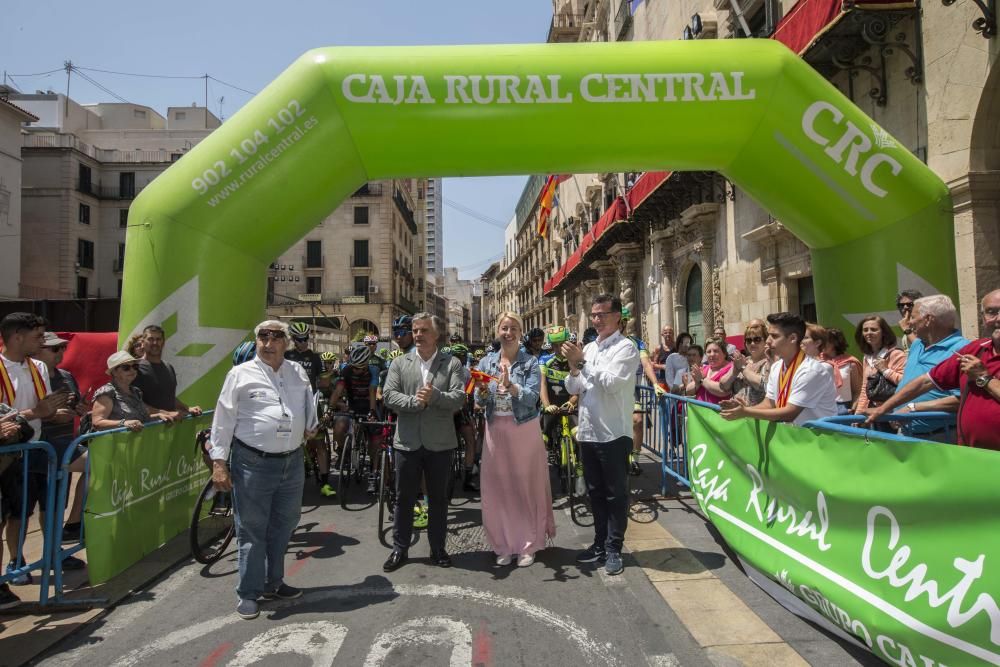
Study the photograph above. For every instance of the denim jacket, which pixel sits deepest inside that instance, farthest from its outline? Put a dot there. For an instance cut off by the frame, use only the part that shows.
(523, 372)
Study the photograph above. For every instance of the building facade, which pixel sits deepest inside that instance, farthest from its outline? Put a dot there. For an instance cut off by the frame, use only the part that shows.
(82, 167)
(11, 118)
(694, 251)
(434, 227)
(360, 268)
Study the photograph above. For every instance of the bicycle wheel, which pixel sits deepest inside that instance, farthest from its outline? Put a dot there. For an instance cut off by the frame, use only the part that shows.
(579, 498)
(456, 469)
(344, 469)
(362, 464)
(386, 496)
(212, 524)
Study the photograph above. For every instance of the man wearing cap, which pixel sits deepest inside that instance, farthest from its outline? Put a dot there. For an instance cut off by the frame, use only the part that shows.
(265, 410)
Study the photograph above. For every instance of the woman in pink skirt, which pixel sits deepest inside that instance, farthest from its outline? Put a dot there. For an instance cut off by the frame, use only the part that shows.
(514, 483)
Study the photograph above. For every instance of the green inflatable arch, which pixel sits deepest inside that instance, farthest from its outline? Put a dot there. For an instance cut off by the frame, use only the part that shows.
(202, 235)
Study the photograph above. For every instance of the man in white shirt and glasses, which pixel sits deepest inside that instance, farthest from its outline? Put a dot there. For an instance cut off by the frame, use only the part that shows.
(265, 410)
(603, 375)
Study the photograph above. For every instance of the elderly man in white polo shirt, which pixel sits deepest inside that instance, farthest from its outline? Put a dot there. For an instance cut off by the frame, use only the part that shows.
(265, 410)
(603, 375)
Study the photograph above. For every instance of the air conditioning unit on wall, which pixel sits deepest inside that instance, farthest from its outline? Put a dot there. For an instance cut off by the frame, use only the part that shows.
(373, 289)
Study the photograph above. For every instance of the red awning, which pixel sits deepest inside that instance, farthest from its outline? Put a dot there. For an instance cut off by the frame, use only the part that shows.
(615, 213)
(645, 186)
(809, 19)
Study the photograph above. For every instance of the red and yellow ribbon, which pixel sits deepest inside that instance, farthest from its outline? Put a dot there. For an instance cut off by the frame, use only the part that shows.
(785, 379)
(7, 393)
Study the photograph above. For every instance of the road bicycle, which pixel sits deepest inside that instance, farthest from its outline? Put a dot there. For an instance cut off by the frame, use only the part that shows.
(386, 485)
(571, 473)
(212, 523)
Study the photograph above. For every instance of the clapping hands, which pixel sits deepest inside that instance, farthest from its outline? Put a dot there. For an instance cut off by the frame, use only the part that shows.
(425, 395)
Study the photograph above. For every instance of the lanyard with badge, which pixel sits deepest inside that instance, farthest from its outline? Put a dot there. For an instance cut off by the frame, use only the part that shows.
(284, 430)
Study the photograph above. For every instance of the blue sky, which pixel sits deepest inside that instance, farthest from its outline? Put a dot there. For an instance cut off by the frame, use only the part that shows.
(247, 44)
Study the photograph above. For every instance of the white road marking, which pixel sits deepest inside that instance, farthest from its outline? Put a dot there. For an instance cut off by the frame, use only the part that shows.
(319, 640)
(433, 630)
(591, 651)
(666, 660)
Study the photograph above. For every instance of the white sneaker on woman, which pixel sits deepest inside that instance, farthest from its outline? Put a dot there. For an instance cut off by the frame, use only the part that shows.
(503, 560)
(526, 560)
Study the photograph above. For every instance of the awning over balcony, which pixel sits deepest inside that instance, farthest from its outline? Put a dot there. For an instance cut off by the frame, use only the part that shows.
(808, 20)
(617, 212)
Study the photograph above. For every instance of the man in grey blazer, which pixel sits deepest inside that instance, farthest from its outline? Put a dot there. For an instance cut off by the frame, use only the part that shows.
(425, 388)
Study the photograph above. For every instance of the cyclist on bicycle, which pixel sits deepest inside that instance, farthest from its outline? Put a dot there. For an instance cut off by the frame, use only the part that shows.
(312, 364)
(556, 401)
(463, 420)
(327, 379)
(357, 386)
(305, 357)
(645, 370)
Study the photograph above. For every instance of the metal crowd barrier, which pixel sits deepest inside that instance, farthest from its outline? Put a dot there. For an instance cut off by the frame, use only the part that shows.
(59, 553)
(664, 431)
(43, 564)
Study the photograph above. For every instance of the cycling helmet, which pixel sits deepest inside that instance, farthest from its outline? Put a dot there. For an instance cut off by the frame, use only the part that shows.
(546, 346)
(328, 356)
(459, 350)
(590, 335)
(299, 330)
(244, 352)
(360, 356)
(446, 350)
(479, 353)
(395, 353)
(557, 335)
(455, 338)
(572, 337)
(403, 322)
(382, 354)
(370, 338)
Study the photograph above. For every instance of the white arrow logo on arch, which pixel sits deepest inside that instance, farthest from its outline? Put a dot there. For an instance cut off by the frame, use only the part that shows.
(218, 342)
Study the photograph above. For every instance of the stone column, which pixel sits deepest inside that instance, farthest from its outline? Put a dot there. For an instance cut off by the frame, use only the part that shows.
(627, 258)
(607, 275)
(588, 290)
(663, 242)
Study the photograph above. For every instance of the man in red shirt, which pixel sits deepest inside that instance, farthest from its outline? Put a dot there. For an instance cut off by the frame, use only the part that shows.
(975, 369)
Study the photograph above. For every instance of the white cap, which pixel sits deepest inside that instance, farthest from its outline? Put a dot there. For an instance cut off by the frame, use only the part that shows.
(119, 358)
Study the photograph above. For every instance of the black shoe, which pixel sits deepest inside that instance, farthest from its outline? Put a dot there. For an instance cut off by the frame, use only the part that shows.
(7, 597)
(71, 532)
(395, 561)
(73, 563)
(441, 559)
(371, 485)
(634, 469)
(592, 555)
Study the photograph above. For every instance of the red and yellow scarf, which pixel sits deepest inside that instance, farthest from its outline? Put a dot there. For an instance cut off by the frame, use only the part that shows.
(7, 393)
(785, 379)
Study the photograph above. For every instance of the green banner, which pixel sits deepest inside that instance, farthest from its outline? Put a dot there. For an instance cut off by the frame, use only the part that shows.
(143, 487)
(894, 544)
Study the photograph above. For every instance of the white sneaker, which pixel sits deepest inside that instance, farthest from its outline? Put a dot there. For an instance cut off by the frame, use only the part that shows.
(526, 560)
(503, 560)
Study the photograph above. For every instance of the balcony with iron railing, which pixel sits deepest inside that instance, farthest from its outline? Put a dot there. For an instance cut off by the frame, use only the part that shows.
(313, 263)
(109, 192)
(565, 27)
(361, 261)
(405, 211)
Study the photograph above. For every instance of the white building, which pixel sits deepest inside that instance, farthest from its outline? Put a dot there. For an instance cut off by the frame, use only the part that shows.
(11, 117)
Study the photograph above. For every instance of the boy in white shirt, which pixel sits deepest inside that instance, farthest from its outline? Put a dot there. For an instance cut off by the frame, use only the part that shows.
(799, 388)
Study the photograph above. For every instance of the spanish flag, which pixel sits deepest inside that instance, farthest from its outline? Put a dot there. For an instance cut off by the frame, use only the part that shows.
(477, 376)
(546, 200)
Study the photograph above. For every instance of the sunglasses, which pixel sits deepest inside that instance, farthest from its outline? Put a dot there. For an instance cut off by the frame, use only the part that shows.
(904, 306)
(129, 367)
(401, 332)
(270, 334)
(754, 339)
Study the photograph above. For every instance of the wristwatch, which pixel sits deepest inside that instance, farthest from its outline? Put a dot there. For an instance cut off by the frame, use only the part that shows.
(580, 364)
(983, 380)
(121, 424)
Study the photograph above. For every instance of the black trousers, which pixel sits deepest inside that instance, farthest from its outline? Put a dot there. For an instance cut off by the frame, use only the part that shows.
(605, 470)
(411, 467)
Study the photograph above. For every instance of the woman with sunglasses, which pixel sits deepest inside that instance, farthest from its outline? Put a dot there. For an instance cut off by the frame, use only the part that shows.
(749, 378)
(118, 404)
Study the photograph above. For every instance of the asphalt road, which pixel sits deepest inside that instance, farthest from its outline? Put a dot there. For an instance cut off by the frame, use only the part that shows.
(552, 613)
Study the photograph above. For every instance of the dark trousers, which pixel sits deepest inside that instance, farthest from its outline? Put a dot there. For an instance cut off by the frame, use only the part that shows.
(411, 467)
(605, 467)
